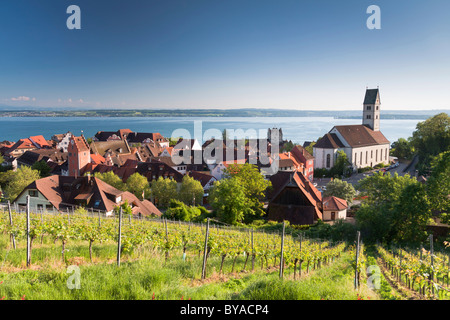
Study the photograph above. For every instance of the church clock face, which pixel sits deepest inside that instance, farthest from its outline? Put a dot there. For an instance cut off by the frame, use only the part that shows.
(71, 142)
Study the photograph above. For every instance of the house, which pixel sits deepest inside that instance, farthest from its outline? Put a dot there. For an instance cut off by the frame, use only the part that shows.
(294, 198)
(62, 193)
(334, 208)
(117, 151)
(120, 134)
(155, 169)
(363, 144)
(61, 141)
(28, 144)
(306, 160)
(217, 171)
(147, 137)
(206, 180)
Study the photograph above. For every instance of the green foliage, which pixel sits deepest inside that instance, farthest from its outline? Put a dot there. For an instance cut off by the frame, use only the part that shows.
(42, 167)
(365, 169)
(431, 138)
(126, 209)
(341, 168)
(396, 209)
(179, 211)
(287, 146)
(137, 184)
(310, 148)
(438, 185)
(402, 149)
(19, 180)
(340, 189)
(228, 199)
(164, 190)
(191, 191)
(254, 186)
(112, 179)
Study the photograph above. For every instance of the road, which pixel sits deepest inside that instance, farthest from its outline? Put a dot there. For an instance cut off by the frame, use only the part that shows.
(354, 179)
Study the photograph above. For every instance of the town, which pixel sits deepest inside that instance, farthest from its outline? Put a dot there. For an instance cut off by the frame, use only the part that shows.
(76, 171)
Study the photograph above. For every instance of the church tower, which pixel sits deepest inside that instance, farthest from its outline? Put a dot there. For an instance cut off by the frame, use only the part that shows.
(79, 155)
(371, 111)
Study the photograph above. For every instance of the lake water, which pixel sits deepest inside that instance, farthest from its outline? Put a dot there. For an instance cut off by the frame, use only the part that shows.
(297, 129)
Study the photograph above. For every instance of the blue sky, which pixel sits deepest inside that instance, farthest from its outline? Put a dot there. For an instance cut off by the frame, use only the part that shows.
(286, 54)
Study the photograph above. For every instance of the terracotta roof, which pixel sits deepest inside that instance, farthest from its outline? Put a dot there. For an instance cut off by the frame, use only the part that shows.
(39, 141)
(203, 177)
(360, 135)
(334, 204)
(329, 141)
(97, 159)
(299, 151)
(81, 143)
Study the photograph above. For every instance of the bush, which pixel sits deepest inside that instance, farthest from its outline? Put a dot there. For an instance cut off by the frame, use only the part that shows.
(365, 169)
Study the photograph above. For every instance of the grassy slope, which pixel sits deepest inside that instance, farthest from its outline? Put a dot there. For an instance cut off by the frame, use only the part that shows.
(145, 274)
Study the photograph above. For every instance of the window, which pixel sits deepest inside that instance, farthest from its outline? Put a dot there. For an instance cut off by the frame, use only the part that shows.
(376, 155)
(369, 107)
(369, 116)
(367, 154)
(355, 158)
(386, 154)
(377, 106)
(33, 193)
(360, 158)
(328, 160)
(381, 154)
(377, 117)
(371, 154)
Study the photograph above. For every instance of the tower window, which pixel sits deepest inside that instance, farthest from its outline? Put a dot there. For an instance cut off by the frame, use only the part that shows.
(369, 107)
(377, 107)
(369, 116)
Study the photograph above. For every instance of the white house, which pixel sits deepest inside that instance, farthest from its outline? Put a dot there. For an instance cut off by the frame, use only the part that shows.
(334, 208)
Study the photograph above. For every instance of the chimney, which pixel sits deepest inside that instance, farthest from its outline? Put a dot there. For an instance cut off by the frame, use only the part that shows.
(289, 154)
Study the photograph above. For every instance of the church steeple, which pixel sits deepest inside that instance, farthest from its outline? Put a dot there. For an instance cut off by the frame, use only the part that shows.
(371, 109)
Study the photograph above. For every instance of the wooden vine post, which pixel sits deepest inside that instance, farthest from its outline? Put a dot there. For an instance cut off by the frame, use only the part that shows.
(119, 238)
(13, 238)
(205, 250)
(28, 233)
(356, 258)
(282, 252)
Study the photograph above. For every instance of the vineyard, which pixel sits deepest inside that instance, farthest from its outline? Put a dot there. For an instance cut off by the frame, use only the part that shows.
(422, 271)
(259, 249)
(220, 252)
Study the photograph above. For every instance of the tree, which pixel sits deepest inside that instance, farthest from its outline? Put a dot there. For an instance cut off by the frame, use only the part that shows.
(163, 191)
(396, 208)
(341, 165)
(402, 149)
(228, 198)
(438, 185)
(340, 189)
(112, 179)
(126, 209)
(138, 185)
(431, 138)
(191, 191)
(253, 183)
(179, 211)
(42, 167)
(19, 180)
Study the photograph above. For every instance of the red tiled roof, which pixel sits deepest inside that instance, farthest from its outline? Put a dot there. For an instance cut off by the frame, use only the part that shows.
(360, 135)
(334, 203)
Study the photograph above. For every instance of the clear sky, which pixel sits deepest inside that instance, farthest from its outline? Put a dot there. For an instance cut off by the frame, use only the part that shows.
(299, 54)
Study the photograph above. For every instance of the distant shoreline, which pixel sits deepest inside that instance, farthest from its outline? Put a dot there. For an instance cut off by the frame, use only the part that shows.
(348, 114)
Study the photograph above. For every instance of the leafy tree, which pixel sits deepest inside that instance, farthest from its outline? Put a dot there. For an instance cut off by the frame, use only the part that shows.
(341, 165)
(42, 167)
(431, 138)
(126, 208)
(1, 159)
(402, 149)
(19, 180)
(340, 189)
(163, 191)
(191, 191)
(112, 179)
(137, 184)
(179, 211)
(310, 148)
(253, 183)
(228, 199)
(396, 208)
(438, 185)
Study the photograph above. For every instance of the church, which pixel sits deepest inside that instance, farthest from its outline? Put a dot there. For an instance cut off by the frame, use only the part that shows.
(364, 143)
